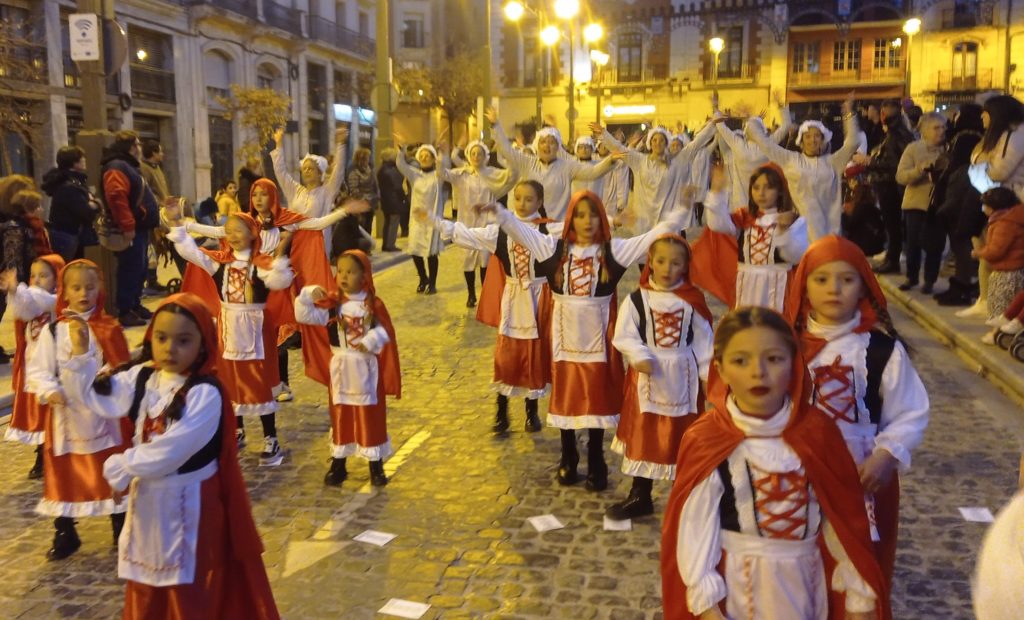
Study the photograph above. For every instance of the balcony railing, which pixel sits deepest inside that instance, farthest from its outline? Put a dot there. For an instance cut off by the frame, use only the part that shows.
(242, 7)
(966, 17)
(613, 76)
(26, 64)
(340, 37)
(947, 82)
(745, 72)
(152, 84)
(836, 79)
(283, 17)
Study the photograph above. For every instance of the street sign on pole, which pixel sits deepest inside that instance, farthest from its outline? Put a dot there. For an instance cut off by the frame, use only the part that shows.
(84, 36)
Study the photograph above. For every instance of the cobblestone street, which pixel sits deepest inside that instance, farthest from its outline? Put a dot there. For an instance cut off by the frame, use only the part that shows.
(459, 499)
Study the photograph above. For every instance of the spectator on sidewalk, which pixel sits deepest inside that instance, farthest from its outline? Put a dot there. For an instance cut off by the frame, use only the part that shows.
(882, 165)
(72, 206)
(227, 200)
(862, 221)
(152, 170)
(1004, 251)
(248, 174)
(362, 185)
(914, 173)
(22, 232)
(136, 212)
(393, 199)
(957, 206)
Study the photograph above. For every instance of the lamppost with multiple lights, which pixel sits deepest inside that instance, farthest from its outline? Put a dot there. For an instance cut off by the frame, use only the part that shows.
(600, 59)
(911, 27)
(716, 45)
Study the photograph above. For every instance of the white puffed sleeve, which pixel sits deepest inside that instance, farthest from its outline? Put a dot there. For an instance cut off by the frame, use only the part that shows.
(279, 276)
(485, 238)
(28, 302)
(541, 246)
(167, 452)
(703, 344)
(627, 338)
(905, 408)
(630, 251)
(306, 310)
(860, 597)
(41, 367)
(375, 339)
(699, 549)
(187, 248)
(716, 213)
(77, 376)
(793, 242)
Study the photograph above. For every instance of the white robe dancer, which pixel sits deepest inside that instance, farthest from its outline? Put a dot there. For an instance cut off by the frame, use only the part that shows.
(657, 182)
(316, 202)
(814, 182)
(556, 176)
(766, 254)
(425, 195)
(472, 187)
(615, 194)
(773, 564)
(742, 156)
(159, 540)
(840, 377)
(35, 307)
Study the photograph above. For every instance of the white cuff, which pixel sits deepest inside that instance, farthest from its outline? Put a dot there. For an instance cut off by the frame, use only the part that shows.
(372, 341)
(177, 234)
(306, 294)
(115, 472)
(894, 448)
(705, 594)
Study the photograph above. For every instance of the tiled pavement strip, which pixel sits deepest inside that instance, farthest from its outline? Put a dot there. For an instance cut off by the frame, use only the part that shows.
(460, 498)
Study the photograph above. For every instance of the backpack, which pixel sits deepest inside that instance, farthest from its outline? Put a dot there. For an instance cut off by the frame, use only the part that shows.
(108, 232)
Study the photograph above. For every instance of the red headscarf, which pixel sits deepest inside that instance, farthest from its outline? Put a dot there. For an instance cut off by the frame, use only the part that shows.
(225, 254)
(280, 215)
(18, 368)
(826, 250)
(828, 465)
(246, 586)
(685, 291)
(569, 234)
(109, 333)
(55, 261)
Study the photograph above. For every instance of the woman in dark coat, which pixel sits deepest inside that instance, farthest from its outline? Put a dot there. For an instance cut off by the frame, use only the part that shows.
(393, 199)
(72, 207)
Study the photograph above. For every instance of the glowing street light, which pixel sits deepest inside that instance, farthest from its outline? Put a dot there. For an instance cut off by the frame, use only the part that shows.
(567, 9)
(550, 35)
(911, 27)
(514, 11)
(593, 33)
(716, 45)
(599, 58)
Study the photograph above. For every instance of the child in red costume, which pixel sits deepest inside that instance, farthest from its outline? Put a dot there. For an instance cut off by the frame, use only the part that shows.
(363, 365)
(33, 308)
(76, 442)
(190, 548)
(664, 334)
(767, 512)
(244, 277)
(862, 376)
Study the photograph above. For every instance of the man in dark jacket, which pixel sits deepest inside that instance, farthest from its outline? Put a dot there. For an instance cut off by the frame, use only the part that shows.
(248, 174)
(135, 210)
(72, 207)
(394, 201)
(882, 165)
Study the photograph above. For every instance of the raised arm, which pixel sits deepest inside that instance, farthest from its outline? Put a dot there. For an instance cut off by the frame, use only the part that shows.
(306, 310)
(700, 140)
(279, 276)
(77, 377)
(484, 238)
(840, 158)
(333, 182)
(213, 232)
(409, 172)
(26, 303)
(632, 250)
(758, 135)
(716, 213)
(588, 172)
(288, 183)
(785, 120)
(517, 160)
(541, 246)
(187, 248)
(332, 218)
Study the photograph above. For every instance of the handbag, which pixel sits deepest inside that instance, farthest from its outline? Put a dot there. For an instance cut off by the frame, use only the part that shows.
(108, 232)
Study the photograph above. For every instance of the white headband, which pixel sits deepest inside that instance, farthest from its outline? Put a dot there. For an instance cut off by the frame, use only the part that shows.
(321, 162)
(426, 147)
(544, 132)
(662, 131)
(583, 141)
(804, 126)
(476, 143)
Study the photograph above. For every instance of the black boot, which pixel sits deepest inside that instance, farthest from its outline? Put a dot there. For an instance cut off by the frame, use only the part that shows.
(958, 294)
(377, 477)
(37, 470)
(570, 459)
(637, 504)
(65, 540)
(432, 265)
(336, 474)
(533, 424)
(116, 525)
(501, 416)
(597, 469)
(470, 288)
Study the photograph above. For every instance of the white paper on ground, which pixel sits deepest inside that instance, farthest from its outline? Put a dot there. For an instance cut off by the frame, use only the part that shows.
(374, 537)
(611, 525)
(977, 514)
(404, 609)
(545, 523)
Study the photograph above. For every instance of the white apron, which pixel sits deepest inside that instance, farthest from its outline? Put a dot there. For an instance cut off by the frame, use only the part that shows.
(671, 388)
(771, 578)
(762, 285)
(241, 328)
(519, 308)
(578, 328)
(157, 546)
(353, 377)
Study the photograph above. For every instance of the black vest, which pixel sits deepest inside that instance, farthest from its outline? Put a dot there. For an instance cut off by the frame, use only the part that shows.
(501, 252)
(549, 269)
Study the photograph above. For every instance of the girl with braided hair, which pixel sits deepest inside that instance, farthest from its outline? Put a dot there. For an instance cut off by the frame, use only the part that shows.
(243, 277)
(862, 375)
(583, 265)
(189, 548)
(362, 364)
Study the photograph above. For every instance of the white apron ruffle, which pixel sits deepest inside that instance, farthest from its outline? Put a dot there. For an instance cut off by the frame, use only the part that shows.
(519, 309)
(578, 328)
(242, 330)
(772, 578)
(762, 285)
(353, 377)
(76, 430)
(671, 389)
(158, 544)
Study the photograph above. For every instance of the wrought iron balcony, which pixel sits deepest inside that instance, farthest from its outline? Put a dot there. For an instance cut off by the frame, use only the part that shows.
(745, 72)
(846, 78)
(340, 37)
(947, 82)
(242, 7)
(152, 84)
(618, 76)
(967, 16)
(283, 17)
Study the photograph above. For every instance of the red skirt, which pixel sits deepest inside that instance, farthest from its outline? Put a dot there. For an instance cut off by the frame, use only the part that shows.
(649, 442)
(28, 418)
(73, 484)
(521, 363)
(585, 395)
(360, 430)
(208, 597)
(250, 383)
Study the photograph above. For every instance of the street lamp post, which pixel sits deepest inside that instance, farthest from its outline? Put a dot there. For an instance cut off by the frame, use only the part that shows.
(716, 45)
(568, 10)
(911, 27)
(600, 59)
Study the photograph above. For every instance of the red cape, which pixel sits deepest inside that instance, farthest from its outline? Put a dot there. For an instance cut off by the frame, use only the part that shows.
(829, 468)
(488, 310)
(714, 263)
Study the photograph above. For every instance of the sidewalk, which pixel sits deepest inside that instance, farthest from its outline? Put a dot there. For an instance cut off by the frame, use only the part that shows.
(963, 336)
(379, 260)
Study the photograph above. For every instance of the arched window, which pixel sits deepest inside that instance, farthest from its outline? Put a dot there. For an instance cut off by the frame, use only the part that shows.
(268, 76)
(965, 65)
(217, 70)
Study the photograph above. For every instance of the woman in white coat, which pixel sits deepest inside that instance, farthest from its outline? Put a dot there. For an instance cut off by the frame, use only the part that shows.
(425, 195)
